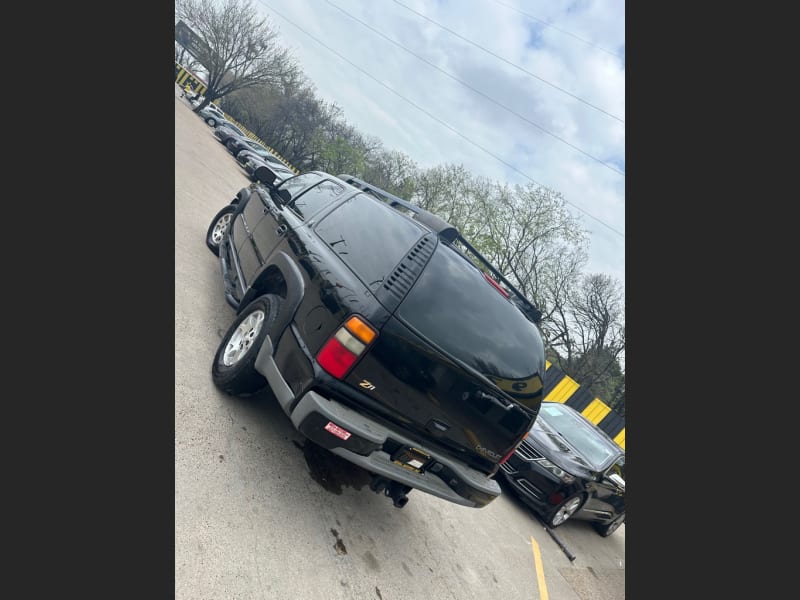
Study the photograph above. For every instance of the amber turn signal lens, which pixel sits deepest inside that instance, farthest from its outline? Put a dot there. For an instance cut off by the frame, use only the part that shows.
(360, 329)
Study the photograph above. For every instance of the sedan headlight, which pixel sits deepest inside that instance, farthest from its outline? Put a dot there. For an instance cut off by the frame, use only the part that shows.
(555, 470)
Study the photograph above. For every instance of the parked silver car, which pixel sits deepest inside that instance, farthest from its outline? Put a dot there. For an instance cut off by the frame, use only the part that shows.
(212, 115)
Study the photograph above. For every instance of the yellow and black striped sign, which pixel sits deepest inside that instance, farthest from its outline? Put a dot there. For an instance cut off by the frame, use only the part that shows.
(184, 76)
(559, 387)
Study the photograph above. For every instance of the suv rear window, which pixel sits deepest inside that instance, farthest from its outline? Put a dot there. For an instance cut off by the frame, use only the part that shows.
(463, 314)
(370, 237)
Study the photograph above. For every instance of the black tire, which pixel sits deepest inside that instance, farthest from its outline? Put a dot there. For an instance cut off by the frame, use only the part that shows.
(230, 145)
(606, 529)
(211, 122)
(219, 225)
(561, 513)
(240, 345)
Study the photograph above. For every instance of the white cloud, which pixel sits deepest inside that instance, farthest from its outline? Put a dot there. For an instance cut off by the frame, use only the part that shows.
(550, 52)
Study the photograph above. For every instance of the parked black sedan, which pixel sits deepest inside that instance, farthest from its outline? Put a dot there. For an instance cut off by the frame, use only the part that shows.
(254, 162)
(226, 132)
(264, 155)
(568, 467)
(241, 144)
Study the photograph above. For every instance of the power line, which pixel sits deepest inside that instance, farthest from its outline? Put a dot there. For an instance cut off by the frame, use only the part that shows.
(435, 118)
(547, 24)
(508, 62)
(465, 84)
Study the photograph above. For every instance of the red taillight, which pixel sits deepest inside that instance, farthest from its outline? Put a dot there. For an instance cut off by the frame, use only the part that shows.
(342, 350)
(335, 358)
(496, 285)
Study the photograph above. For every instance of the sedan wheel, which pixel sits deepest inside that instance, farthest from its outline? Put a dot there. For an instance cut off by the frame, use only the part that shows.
(606, 529)
(564, 511)
(211, 122)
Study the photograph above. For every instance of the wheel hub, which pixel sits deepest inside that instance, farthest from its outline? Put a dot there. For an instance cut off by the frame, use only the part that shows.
(220, 228)
(566, 511)
(243, 338)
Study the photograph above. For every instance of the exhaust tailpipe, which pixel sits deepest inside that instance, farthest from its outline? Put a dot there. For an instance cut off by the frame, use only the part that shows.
(397, 492)
(392, 489)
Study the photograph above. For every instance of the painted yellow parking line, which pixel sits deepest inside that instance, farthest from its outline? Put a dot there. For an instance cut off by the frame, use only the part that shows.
(537, 561)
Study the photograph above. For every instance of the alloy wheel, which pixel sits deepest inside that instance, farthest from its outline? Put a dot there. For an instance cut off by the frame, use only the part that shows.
(220, 228)
(242, 339)
(566, 511)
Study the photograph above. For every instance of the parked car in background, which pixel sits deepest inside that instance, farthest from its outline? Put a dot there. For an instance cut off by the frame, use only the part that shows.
(568, 467)
(212, 115)
(281, 171)
(263, 155)
(253, 147)
(227, 130)
(246, 143)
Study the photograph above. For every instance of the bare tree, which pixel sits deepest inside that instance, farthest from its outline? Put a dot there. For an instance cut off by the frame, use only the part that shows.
(590, 340)
(184, 58)
(242, 48)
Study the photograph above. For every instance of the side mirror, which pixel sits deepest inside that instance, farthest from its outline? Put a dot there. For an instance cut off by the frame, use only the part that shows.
(617, 481)
(265, 175)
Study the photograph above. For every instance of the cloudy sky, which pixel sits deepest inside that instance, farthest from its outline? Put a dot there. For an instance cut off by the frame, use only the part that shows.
(515, 90)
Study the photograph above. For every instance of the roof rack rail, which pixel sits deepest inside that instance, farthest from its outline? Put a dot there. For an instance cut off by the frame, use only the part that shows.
(449, 235)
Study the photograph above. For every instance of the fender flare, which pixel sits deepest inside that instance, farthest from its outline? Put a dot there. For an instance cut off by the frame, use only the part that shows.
(242, 196)
(295, 290)
(240, 199)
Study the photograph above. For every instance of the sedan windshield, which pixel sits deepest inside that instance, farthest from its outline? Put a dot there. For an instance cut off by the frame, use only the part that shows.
(589, 441)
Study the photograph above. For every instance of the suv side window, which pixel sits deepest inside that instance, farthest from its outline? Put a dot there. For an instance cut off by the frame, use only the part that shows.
(369, 237)
(296, 185)
(316, 198)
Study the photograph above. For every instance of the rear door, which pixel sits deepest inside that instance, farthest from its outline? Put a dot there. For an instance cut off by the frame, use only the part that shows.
(248, 216)
(264, 223)
(272, 221)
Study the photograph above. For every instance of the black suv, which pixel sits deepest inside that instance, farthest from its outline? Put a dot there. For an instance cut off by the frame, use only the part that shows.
(384, 335)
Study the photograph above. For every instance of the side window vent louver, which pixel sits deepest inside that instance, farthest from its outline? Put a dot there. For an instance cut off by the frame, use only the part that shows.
(405, 274)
